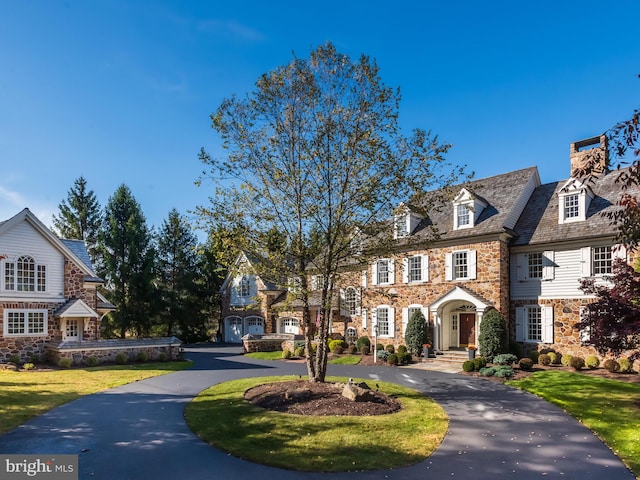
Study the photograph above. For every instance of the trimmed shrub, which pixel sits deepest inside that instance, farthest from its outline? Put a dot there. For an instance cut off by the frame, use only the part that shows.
(334, 344)
(479, 362)
(352, 349)
(299, 352)
(142, 357)
(487, 371)
(338, 349)
(534, 355)
(525, 364)
(592, 362)
(505, 359)
(417, 333)
(566, 360)
(544, 359)
(553, 357)
(390, 348)
(65, 363)
(516, 349)
(92, 361)
(504, 371)
(121, 358)
(392, 359)
(162, 357)
(468, 366)
(625, 365)
(14, 359)
(577, 363)
(286, 354)
(379, 346)
(365, 349)
(34, 358)
(29, 366)
(611, 365)
(492, 338)
(404, 358)
(402, 349)
(363, 341)
(382, 355)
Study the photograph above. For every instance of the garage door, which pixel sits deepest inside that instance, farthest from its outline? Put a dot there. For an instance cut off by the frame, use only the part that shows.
(233, 330)
(255, 326)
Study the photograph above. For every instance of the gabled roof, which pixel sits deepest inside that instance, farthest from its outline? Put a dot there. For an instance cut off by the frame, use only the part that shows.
(505, 196)
(244, 258)
(64, 248)
(539, 224)
(76, 308)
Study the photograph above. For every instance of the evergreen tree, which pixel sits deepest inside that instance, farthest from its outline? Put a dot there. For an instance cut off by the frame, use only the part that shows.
(417, 333)
(180, 310)
(80, 216)
(125, 244)
(492, 339)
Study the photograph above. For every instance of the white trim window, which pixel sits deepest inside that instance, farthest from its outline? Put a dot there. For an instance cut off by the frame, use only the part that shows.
(536, 266)
(415, 269)
(571, 205)
(383, 272)
(598, 261)
(290, 325)
(244, 287)
(534, 324)
(25, 323)
(461, 265)
(350, 301)
(573, 201)
(25, 275)
(384, 319)
(463, 216)
(401, 225)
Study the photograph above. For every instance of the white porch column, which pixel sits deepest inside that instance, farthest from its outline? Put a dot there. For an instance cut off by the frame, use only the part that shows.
(479, 314)
(437, 330)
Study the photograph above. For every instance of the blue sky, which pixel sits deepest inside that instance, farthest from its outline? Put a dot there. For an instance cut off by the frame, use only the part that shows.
(120, 91)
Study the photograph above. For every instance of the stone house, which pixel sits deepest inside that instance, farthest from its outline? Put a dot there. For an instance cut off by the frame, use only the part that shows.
(506, 242)
(50, 305)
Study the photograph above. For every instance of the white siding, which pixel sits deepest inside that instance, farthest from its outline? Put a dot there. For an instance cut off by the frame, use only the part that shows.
(23, 239)
(253, 291)
(521, 202)
(564, 283)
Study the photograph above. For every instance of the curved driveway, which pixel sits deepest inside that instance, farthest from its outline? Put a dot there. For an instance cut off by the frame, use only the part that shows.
(137, 431)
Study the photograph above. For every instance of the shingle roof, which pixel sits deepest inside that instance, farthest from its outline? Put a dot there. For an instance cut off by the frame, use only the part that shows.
(501, 193)
(539, 221)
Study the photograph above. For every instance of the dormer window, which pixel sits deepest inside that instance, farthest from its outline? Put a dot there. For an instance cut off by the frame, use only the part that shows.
(467, 208)
(401, 226)
(405, 221)
(463, 216)
(573, 201)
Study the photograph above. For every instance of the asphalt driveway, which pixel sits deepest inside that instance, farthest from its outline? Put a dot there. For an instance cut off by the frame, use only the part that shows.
(137, 431)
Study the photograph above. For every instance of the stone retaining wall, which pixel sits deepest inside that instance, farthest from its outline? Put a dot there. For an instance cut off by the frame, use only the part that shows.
(268, 343)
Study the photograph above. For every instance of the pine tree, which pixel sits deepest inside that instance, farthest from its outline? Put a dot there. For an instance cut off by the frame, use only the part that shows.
(80, 216)
(417, 333)
(180, 311)
(125, 244)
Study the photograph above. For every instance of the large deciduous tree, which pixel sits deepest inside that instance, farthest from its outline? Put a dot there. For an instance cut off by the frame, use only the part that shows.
(126, 246)
(80, 216)
(612, 321)
(315, 153)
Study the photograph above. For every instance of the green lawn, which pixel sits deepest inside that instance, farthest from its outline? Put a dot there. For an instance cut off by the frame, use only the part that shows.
(222, 417)
(607, 407)
(25, 394)
(277, 355)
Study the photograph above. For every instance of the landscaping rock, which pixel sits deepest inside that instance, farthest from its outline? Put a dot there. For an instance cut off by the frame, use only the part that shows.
(357, 393)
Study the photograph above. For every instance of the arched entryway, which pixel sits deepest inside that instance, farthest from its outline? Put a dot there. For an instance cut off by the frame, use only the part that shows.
(456, 318)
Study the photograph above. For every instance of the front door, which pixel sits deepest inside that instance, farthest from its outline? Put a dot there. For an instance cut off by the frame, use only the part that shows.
(467, 329)
(72, 330)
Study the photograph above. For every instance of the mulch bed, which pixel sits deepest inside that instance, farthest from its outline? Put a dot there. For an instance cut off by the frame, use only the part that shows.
(301, 397)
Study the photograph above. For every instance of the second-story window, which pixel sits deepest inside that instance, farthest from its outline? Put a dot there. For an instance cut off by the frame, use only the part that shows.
(602, 260)
(25, 275)
(535, 265)
(572, 206)
(383, 272)
(244, 287)
(414, 266)
(460, 265)
(463, 216)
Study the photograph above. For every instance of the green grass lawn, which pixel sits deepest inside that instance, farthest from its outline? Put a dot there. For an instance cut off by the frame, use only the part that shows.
(605, 406)
(25, 394)
(221, 416)
(343, 360)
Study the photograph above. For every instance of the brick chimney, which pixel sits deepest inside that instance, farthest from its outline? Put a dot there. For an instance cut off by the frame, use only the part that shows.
(590, 157)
